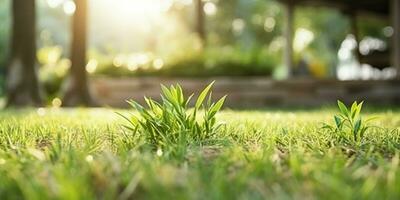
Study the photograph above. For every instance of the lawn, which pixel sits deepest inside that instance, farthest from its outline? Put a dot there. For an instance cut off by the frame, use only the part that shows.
(263, 154)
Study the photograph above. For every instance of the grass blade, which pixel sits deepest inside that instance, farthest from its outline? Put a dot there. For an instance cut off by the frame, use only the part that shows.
(203, 95)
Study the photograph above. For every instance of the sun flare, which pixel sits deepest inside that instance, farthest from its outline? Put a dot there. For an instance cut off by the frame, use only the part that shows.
(140, 9)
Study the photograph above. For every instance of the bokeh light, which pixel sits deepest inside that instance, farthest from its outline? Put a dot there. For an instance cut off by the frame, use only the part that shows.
(69, 7)
(210, 8)
(91, 66)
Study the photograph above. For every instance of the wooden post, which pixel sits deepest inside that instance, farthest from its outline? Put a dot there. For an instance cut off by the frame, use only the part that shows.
(288, 33)
(355, 31)
(395, 8)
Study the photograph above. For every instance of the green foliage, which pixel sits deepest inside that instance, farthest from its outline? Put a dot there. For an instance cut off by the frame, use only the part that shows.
(53, 69)
(171, 125)
(349, 124)
(228, 61)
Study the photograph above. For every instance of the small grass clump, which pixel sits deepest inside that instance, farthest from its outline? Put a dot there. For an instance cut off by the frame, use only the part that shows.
(171, 125)
(350, 126)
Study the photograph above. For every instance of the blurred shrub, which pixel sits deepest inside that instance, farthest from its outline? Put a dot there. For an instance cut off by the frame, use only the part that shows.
(224, 61)
(53, 68)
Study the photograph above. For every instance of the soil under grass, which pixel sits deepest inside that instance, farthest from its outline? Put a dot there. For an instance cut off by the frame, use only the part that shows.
(85, 154)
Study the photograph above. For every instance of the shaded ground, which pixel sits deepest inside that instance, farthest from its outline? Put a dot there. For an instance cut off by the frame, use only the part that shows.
(84, 154)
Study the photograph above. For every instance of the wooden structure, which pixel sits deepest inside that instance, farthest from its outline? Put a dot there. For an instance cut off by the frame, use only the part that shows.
(255, 92)
(389, 9)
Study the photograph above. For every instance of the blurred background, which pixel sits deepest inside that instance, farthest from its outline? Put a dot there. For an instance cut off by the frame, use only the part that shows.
(140, 41)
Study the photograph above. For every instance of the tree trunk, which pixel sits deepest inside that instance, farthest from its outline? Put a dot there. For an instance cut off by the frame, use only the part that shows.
(76, 91)
(22, 81)
(289, 34)
(200, 21)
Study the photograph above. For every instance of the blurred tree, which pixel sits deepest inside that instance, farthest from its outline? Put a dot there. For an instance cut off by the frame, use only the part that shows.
(22, 81)
(200, 21)
(76, 88)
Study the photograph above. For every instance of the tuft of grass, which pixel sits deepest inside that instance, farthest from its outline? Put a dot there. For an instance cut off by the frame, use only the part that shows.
(349, 124)
(171, 125)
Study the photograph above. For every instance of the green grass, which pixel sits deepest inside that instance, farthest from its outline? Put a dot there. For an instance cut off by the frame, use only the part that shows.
(171, 126)
(266, 154)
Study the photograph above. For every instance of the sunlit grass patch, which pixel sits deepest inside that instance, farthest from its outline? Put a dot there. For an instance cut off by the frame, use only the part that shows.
(84, 154)
(171, 125)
